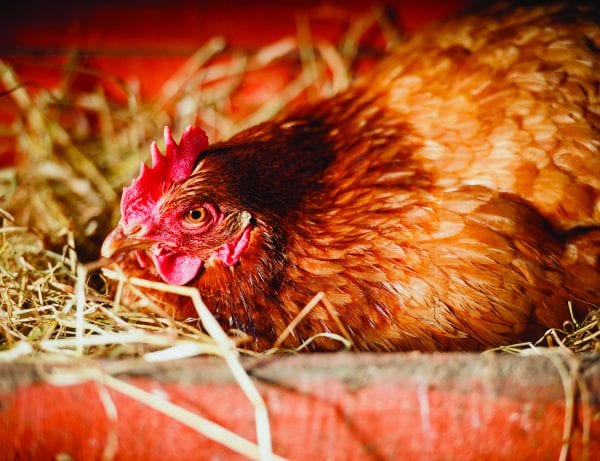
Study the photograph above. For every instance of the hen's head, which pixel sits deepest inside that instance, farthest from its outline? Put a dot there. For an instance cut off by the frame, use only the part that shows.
(168, 225)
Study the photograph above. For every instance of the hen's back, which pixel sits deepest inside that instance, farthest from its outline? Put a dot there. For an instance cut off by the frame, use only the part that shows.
(510, 102)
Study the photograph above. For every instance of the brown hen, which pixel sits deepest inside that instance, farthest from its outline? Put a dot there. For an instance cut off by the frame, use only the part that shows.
(451, 201)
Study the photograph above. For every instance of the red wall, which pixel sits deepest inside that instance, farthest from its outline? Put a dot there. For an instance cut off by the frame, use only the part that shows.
(150, 39)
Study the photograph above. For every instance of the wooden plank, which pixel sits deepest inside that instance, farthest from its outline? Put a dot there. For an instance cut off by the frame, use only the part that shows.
(335, 407)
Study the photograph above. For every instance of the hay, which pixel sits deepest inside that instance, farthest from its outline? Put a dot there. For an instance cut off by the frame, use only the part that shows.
(574, 337)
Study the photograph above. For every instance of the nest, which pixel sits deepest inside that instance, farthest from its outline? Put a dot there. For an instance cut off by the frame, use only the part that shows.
(76, 149)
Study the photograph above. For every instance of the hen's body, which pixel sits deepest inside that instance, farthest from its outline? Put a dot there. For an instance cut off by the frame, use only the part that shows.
(451, 201)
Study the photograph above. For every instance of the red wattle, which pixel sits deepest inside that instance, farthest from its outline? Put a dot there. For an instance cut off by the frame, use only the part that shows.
(176, 268)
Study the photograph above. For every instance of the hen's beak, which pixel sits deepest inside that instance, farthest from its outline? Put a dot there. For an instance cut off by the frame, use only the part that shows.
(119, 241)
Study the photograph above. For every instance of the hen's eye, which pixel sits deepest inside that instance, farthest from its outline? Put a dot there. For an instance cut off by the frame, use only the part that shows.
(197, 215)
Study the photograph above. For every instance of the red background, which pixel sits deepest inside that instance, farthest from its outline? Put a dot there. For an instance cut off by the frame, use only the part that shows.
(150, 39)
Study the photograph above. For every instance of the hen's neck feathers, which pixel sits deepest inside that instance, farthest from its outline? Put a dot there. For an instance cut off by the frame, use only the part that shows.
(299, 176)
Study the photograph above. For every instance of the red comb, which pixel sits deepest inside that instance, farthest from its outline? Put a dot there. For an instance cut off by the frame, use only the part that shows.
(177, 164)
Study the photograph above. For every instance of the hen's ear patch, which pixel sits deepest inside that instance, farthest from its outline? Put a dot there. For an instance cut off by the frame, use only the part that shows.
(177, 164)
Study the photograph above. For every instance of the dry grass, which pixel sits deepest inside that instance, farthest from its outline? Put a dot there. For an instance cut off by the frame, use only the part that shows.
(574, 337)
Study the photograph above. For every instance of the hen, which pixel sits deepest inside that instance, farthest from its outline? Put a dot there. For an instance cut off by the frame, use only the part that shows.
(451, 201)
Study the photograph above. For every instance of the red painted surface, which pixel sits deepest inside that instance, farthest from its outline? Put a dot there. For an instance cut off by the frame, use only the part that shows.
(344, 407)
